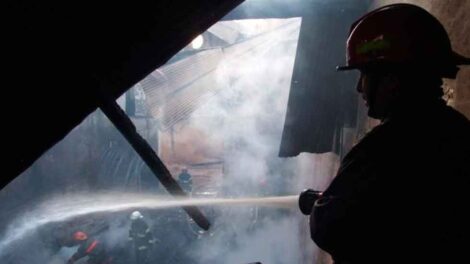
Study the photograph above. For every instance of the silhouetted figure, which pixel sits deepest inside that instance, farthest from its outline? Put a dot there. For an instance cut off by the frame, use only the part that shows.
(401, 194)
(142, 238)
(91, 248)
(185, 180)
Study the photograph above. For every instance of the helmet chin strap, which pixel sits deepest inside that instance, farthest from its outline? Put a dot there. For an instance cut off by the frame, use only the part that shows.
(374, 82)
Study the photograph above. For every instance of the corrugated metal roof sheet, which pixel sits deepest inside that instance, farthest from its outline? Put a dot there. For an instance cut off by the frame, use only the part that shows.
(175, 91)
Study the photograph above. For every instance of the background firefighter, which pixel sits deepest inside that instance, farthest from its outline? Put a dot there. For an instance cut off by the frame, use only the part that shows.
(185, 180)
(91, 248)
(141, 237)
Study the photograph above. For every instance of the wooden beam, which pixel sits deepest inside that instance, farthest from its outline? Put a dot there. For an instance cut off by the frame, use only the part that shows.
(124, 124)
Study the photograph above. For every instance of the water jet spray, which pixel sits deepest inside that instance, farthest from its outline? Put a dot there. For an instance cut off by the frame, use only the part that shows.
(62, 209)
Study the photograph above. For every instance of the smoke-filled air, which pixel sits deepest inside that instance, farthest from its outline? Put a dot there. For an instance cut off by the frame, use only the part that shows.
(214, 114)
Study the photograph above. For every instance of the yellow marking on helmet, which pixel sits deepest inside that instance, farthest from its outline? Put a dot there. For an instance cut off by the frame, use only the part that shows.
(373, 46)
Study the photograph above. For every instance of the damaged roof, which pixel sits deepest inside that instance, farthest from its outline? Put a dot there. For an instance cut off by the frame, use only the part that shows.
(60, 57)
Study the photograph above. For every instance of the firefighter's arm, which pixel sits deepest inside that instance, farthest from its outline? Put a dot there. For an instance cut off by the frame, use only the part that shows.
(149, 236)
(153, 240)
(78, 255)
(346, 210)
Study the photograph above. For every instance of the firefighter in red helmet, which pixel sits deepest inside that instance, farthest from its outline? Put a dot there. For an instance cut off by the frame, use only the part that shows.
(400, 194)
(89, 247)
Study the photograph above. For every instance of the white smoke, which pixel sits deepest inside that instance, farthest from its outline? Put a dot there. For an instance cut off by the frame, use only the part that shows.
(247, 115)
(275, 241)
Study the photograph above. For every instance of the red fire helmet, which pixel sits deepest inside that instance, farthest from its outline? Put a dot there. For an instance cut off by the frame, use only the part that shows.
(80, 236)
(401, 34)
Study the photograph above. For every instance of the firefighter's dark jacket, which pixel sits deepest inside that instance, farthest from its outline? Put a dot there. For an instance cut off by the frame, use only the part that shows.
(141, 234)
(401, 194)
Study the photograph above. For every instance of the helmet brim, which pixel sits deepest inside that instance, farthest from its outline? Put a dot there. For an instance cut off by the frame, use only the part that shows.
(346, 68)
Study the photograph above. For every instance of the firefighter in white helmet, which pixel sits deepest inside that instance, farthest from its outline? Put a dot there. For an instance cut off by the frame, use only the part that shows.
(141, 237)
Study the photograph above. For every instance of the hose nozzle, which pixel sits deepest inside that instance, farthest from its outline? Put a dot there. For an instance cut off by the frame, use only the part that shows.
(307, 199)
